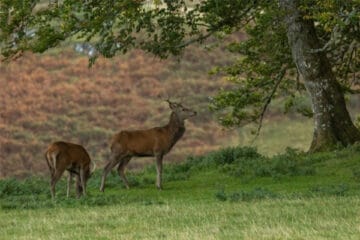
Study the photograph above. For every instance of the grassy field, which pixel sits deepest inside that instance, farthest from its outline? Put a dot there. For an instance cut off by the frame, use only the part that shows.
(233, 193)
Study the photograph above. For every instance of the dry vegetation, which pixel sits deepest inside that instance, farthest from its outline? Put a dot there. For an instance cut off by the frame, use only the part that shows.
(56, 96)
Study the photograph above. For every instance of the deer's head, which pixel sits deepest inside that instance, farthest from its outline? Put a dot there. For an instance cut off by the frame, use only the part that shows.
(181, 111)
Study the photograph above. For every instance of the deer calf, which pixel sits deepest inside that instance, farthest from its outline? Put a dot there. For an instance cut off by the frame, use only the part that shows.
(154, 142)
(61, 156)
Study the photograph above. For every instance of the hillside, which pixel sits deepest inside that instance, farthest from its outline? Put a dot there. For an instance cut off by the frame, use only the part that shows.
(45, 98)
(55, 96)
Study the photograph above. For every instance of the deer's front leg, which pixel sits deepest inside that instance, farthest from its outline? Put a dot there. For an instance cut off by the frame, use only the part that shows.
(68, 184)
(110, 165)
(159, 158)
(83, 181)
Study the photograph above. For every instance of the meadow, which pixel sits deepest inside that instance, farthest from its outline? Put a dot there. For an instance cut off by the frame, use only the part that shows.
(232, 193)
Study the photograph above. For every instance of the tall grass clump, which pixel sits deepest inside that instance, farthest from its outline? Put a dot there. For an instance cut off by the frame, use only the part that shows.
(29, 186)
(29, 193)
(246, 161)
(290, 163)
(225, 156)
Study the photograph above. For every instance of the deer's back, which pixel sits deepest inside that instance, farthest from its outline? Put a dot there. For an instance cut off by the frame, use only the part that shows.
(70, 153)
(142, 142)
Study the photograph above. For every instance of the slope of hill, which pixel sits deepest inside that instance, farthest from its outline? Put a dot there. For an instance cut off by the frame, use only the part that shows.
(45, 98)
(57, 97)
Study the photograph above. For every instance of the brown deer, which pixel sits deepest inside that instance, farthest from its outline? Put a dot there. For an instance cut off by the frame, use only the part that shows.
(154, 142)
(61, 156)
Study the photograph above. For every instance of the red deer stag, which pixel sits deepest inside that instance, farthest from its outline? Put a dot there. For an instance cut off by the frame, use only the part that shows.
(154, 142)
(61, 156)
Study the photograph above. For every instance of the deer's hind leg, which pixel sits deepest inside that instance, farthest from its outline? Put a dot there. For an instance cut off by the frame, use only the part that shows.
(78, 187)
(114, 160)
(121, 169)
(54, 179)
(70, 176)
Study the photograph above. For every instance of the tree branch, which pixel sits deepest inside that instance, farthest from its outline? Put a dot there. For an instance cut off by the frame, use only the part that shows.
(332, 41)
(216, 28)
(199, 39)
(279, 78)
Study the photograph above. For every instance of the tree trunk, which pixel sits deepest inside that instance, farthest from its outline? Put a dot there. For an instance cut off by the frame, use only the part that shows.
(333, 124)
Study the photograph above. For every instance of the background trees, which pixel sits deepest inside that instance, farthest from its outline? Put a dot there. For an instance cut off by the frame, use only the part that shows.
(292, 46)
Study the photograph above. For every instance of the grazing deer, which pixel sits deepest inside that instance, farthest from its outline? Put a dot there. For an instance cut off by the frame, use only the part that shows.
(154, 142)
(61, 156)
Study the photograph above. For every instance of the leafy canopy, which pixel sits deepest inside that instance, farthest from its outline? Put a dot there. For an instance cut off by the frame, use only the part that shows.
(263, 71)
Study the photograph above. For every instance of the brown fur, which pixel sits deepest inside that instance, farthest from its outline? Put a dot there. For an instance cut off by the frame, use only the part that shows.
(61, 156)
(154, 142)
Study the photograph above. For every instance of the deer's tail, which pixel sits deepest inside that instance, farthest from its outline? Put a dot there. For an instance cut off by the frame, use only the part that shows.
(51, 159)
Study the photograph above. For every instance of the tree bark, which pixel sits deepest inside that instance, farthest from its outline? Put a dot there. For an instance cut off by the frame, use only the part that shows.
(333, 124)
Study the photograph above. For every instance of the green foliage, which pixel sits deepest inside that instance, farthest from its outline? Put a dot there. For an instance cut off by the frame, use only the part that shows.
(338, 26)
(263, 71)
(258, 75)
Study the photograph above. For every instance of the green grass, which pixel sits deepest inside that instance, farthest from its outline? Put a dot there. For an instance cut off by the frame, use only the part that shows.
(234, 193)
(315, 218)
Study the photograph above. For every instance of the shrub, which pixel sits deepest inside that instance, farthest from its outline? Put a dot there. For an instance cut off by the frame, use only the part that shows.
(231, 154)
(246, 161)
(224, 158)
(220, 195)
(291, 163)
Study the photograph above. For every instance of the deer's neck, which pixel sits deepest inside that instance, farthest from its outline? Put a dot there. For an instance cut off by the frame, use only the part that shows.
(176, 126)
